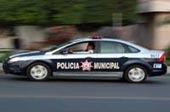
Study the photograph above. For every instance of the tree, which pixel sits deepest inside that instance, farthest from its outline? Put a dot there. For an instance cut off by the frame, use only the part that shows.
(55, 12)
(22, 12)
(69, 11)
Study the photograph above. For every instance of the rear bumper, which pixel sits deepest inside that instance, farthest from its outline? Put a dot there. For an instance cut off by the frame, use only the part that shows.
(158, 72)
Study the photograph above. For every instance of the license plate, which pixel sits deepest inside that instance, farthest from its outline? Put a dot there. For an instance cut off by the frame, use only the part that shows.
(157, 65)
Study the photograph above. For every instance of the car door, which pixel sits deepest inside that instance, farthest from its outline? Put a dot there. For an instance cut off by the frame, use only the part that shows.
(111, 56)
(74, 58)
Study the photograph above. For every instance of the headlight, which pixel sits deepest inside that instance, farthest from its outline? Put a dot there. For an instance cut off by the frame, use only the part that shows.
(14, 59)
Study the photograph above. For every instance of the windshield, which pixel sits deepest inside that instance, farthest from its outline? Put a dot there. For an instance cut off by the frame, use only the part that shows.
(54, 47)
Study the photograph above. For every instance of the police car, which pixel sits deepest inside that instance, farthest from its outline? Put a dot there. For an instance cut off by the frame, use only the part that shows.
(92, 57)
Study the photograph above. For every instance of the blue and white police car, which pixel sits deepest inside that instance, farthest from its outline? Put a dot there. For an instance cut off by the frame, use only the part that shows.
(91, 57)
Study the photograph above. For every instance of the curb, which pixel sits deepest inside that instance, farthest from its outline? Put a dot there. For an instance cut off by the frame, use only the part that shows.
(168, 69)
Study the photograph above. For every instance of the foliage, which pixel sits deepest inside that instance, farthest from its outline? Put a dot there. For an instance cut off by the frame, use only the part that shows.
(168, 56)
(53, 12)
(167, 62)
(5, 55)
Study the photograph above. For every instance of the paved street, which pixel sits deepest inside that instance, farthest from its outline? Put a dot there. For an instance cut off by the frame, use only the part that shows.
(21, 95)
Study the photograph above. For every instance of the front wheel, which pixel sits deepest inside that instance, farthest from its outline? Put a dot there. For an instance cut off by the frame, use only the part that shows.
(38, 71)
(135, 74)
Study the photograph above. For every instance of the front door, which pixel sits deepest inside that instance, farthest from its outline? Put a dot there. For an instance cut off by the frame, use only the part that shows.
(75, 58)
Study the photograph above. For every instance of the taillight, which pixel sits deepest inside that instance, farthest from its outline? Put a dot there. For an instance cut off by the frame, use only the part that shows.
(162, 58)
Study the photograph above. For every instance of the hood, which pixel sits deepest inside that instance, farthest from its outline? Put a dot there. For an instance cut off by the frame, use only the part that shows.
(32, 53)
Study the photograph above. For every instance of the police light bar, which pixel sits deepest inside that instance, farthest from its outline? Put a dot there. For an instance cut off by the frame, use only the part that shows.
(96, 37)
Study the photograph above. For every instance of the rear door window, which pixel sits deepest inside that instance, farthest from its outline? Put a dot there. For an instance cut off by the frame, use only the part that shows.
(111, 47)
(116, 47)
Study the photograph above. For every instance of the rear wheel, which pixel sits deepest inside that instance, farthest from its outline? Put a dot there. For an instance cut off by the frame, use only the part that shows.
(38, 71)
(135, 74)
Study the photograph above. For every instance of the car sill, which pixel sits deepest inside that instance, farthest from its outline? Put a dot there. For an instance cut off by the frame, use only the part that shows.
(90, 74)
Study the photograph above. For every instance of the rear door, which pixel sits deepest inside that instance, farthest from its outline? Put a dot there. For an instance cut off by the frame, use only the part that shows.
(110, 57)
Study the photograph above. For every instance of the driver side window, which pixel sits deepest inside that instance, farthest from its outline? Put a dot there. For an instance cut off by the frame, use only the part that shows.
(80, 48)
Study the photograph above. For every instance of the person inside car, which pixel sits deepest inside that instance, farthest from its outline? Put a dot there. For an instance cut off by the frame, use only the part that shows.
(82, 48)
(90, 48)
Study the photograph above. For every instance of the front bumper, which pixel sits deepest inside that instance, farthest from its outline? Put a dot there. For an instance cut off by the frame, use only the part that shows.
(12, 68)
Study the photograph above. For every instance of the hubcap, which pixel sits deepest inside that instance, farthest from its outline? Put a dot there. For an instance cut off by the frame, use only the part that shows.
(136, 74)
(38, 72)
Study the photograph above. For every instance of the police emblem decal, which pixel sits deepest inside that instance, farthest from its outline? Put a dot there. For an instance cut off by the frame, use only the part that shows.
(86, 65)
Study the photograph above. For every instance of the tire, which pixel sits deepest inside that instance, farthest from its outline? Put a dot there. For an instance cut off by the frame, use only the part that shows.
(135, 74)
(38, 71)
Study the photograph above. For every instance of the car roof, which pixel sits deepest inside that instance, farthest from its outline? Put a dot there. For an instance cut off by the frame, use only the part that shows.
(99, 39)
(92, 39)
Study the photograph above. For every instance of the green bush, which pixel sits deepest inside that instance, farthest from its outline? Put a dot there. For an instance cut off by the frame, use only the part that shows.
(168, 56)
(5, 55)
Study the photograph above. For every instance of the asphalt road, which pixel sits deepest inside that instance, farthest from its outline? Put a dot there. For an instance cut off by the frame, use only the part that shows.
(18, 94)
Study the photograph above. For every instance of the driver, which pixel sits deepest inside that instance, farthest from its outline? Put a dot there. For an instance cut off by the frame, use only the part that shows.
(90, 48)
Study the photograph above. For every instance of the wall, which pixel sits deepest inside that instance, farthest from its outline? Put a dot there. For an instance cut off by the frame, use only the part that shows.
(30, 34)
(161, 31)
(154, 14)
(6, 43)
